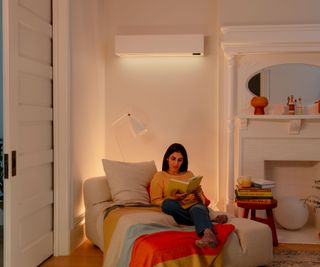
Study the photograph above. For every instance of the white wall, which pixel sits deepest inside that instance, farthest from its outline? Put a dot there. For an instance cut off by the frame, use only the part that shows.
(87, 96)
(175, 97)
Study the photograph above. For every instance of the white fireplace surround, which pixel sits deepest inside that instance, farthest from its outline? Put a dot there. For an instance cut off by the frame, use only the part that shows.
(249, 140)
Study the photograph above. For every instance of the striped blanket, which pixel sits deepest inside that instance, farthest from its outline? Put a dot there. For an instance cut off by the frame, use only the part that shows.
(146, 237)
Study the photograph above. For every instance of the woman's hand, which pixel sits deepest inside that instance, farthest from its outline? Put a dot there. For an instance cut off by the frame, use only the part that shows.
(199, 194)
(178, 195)
(198, 190)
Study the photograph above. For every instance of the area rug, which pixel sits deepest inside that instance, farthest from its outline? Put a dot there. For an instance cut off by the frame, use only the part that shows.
(294, 258)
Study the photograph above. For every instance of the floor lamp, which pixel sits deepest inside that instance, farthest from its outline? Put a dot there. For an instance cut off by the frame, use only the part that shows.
(136, 126)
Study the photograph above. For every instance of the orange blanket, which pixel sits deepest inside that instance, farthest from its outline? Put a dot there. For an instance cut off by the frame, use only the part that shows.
(177, 248)
(146, 237)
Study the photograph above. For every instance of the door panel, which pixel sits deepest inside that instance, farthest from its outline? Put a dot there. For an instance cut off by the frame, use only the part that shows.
(36, 90)
(35, 159)
(35, 137)
(34, 179)
(33, 113)
(41, 8)
(34, 45)
(30, 88)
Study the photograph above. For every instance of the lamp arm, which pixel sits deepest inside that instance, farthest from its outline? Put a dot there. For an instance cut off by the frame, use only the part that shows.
(119, 119)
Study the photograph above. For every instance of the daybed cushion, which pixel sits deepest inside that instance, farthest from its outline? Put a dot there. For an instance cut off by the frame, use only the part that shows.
(128, 180)
(97, 197)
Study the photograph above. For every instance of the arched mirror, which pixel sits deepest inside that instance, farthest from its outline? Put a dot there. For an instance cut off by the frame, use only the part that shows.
(280, 81)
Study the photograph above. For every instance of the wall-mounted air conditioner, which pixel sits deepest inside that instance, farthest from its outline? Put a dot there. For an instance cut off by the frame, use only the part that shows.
(160, 45)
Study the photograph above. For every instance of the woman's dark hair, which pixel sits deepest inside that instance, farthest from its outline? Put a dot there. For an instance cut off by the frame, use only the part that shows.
(175, 148)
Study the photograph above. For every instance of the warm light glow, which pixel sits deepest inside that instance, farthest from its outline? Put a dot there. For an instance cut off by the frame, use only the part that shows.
(194, 54)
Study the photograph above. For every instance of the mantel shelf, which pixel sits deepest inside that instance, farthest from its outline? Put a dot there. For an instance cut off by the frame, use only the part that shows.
(279, 117)
(295, 121)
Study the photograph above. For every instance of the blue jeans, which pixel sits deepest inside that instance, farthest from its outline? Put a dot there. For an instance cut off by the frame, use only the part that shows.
(197, 215)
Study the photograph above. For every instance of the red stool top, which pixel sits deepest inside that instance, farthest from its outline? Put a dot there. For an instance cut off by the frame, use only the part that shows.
(257, 205)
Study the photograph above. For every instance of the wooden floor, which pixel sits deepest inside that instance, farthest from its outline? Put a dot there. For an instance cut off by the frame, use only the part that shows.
(88, 255)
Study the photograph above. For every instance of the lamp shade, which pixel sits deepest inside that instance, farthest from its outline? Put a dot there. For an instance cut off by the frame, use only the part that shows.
(121, 128)
(137, 127)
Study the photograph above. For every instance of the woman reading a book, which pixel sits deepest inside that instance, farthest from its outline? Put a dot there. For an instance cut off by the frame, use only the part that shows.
(175, 166)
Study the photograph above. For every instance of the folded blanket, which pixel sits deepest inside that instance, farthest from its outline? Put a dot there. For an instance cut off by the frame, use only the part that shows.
(137, 230)
(137, 236)
(177, 248)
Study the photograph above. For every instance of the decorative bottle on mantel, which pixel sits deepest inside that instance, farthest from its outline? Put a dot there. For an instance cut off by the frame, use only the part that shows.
(291, 105)
(299, 108)
(259, 103)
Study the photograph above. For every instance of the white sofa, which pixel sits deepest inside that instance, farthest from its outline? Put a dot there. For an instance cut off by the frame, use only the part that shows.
(249, 245)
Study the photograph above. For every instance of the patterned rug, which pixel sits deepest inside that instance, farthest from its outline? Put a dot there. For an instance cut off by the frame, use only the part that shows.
(293, 258)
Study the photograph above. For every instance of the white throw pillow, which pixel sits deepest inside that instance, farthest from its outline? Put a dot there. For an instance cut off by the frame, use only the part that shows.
(128, 181)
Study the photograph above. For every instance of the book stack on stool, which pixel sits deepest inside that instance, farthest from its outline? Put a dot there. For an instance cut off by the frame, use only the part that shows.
(259, 191)
(258, 196)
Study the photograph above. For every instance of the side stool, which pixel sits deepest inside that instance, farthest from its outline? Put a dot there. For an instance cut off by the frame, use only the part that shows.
(253, 206)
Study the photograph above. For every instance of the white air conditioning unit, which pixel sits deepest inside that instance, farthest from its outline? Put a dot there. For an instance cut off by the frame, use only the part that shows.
(160, 45)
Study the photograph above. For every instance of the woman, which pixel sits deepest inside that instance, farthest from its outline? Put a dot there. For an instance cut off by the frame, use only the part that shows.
(175, 165)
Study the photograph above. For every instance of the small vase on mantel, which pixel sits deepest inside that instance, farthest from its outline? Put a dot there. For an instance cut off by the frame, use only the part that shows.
(259, 103)
(318, 103)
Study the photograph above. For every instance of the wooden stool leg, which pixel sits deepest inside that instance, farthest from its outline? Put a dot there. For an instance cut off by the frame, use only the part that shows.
(272, 226)
(253, 214)
(245, 213)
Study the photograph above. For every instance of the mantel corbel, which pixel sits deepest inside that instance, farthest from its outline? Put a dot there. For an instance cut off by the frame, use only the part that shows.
(244, 123)
(294, 126)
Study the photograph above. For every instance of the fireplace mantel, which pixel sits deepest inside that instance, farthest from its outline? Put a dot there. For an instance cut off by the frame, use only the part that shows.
(258, 46)
(294, 122)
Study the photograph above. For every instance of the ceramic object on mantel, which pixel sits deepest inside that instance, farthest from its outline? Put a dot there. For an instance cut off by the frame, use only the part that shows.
(318, 102)
(259, 103)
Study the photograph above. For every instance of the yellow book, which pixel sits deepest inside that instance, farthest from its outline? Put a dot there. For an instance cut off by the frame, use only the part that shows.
(255, 200)
(253, 193)
(183, 186)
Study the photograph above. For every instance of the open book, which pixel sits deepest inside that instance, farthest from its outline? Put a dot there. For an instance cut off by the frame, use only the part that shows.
(183, 186)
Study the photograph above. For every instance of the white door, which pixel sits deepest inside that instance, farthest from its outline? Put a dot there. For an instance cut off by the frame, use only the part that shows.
(28, 131)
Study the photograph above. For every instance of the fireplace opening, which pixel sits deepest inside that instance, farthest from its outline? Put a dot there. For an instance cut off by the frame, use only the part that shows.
(296, 179)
